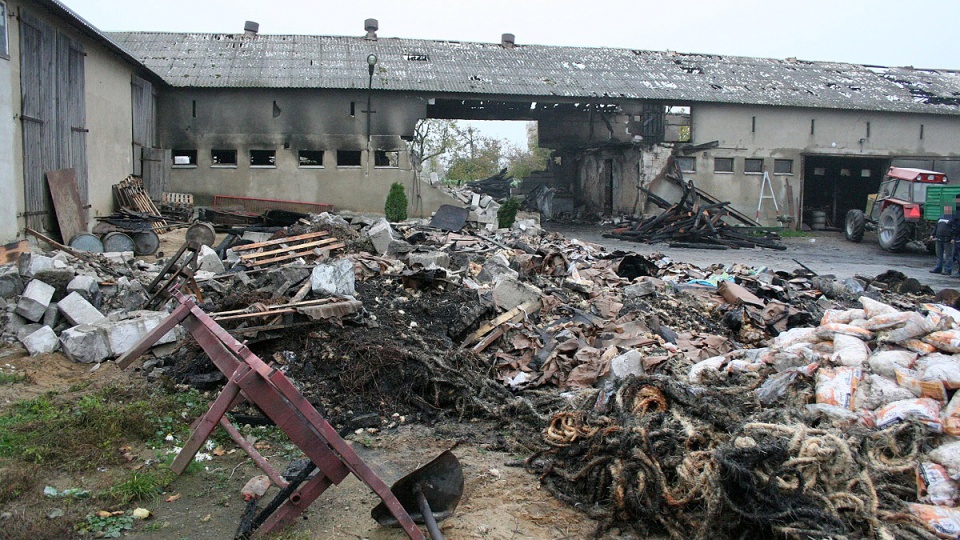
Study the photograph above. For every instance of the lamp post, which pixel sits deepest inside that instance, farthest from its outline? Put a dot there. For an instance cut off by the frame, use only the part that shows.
(371, 64)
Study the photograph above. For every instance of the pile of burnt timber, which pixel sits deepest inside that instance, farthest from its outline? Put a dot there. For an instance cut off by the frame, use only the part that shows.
(691, 224)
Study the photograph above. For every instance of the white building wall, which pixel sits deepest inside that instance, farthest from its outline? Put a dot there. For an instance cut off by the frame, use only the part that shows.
(11, 167)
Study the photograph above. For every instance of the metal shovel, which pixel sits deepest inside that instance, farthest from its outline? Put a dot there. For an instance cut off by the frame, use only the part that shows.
(429, 494)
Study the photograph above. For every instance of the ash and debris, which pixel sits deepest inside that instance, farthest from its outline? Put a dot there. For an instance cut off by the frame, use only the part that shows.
(657, 396)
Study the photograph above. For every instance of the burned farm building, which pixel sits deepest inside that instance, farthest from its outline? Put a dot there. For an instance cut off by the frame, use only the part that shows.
(307, 118)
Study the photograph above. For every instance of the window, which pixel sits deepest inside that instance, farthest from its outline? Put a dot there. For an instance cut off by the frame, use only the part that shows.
(4, 44)
(310, 158)
(348, 158)
(223, 158)
(263, 158)
(753, 166)
(386, 159)
(783, 166)
(687, 164)
(723, 164)
(184, 159)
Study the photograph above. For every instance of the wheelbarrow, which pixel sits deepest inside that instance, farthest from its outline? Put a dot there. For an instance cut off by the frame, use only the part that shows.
(429, 494)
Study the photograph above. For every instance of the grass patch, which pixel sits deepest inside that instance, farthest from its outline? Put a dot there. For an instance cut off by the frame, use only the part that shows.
(142, 485)
(14, 378)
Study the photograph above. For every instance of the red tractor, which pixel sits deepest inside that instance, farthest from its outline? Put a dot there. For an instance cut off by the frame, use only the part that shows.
(897, 212)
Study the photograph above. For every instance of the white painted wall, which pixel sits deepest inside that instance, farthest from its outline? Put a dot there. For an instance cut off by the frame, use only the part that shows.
(11, 167)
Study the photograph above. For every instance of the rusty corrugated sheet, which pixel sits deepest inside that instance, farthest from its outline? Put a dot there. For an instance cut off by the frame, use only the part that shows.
(292, 61)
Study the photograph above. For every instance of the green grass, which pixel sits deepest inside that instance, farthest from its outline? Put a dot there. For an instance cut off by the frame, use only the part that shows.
(14, 378)
(142, 485)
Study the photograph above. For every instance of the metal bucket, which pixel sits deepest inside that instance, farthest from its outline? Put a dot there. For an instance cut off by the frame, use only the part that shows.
(86, 242)
(818, 220)
(201, 233)
(117, 241)
(145, 243)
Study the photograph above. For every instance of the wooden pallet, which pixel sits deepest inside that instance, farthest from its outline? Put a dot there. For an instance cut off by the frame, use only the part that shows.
(130, 194)
(316, 244)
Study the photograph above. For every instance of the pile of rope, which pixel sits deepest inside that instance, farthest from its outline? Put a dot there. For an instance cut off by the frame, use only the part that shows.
(659, 456)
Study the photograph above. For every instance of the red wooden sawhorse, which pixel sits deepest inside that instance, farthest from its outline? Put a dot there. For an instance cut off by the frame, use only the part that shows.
(250, 378)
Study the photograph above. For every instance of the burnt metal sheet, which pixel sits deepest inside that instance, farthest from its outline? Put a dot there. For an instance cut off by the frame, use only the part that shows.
(291, 61)
(449, 218)
(71, 216)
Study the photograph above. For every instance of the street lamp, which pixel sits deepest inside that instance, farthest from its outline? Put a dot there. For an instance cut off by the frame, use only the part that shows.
(371, 63)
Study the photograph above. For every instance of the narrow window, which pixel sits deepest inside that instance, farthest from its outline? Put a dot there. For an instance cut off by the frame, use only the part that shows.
(194, 112)
(353, 108)
(4, 44)
(753, 166)
(868, 130)
(384, 159)
(184, 159)
(783, 166)
(348, 158)
(223, 158)
(263, 158)
(753, 124)
(813, 125)
(687, 164)
(723, 165)
(921, 132)
(310, 159)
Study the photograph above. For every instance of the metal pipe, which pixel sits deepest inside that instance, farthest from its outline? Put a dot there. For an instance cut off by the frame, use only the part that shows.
(427, 514)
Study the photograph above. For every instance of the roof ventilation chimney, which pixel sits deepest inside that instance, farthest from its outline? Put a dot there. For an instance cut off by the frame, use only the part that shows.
(507, 41)
(250, 28)
(371, 26)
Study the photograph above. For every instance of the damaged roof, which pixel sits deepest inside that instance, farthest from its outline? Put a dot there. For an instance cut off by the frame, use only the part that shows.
(536, 71)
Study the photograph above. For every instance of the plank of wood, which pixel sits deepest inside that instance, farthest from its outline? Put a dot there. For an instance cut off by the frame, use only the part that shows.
(330, 247)
(295, 247)
(285, 240)
(289, 304)
(71, 216)
(491, 337)
(526, 307)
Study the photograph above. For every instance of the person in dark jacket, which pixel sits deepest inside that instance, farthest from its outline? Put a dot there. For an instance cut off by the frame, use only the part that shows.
(945, 232)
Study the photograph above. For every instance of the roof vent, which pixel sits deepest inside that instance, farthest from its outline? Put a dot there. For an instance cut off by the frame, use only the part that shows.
(250, 28)
(508, 41)
(371, 26)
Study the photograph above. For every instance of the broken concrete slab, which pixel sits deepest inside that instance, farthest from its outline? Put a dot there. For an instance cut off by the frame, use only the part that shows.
(645, 286)
(51, 317)
(43, 340)
(30, 263)
(124, 330)
(510, 293)
(429, 259)
(495, 268)
(628, 363)
(11, 283)
(77, 310)
(34, 300)
(26, 329)
(337, 278)
(85, 344)
(209, 261)
(381, 234)
(399, 248)
(86, 286)
(256, 237)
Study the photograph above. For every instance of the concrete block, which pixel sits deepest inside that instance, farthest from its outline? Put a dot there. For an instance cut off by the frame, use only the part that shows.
(628, 363)
(14, 323)
(27, 329)
(645, 287)
(399, 247)
(30, 263)
(118, 257)
(11, 284)
(475, 200)
(429, 259)
(34, 300)
(85, 344)
(337, 278)
(209, 261)
(381, 234)
(495, 268)
(42, 341)
(256, 237)
(485, 201)
(51, 317)
(123, 331)
(131, 294)
(510, 293)
(78, 311)
(86, 286)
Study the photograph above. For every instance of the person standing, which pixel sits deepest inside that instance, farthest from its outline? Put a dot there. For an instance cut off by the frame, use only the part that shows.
(944, 232)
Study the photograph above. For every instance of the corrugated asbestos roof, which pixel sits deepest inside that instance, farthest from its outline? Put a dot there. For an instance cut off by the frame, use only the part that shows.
(296, 61)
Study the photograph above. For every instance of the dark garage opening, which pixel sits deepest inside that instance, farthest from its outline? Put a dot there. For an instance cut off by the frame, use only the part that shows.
(835, 184)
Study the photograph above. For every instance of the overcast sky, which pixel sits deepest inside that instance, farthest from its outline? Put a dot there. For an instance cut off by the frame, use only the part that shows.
(919, 33)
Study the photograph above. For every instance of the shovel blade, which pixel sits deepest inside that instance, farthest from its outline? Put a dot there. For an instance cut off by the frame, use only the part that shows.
(441, 481)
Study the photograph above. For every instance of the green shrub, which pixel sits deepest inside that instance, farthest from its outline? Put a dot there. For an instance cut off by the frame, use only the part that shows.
(396, 206)
(507, 213)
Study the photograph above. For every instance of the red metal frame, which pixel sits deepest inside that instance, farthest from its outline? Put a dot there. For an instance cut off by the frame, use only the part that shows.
(250, 378)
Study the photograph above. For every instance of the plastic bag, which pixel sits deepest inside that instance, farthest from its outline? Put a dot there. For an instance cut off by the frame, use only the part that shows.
(849, 351)
(921, 386)
(914, 326)
(934, 485)
(941, 367)
(842, 316)
(776, 386)
(875, 391)
(872, 308)
(887, 362)
(924, 410)
(828, 331)
(794, 336)
(948, 455)
(945, 340)
(944, 520)
(888, 320)
(836, 386)
(918, 346)
(699, 370)
(940, 311)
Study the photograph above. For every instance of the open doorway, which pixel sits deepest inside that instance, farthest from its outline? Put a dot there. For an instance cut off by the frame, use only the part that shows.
(835, 184)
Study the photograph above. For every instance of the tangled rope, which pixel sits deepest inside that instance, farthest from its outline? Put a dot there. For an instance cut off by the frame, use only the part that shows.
(695, 462)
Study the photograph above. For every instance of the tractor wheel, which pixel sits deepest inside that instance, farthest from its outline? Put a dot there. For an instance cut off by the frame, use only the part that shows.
(856, 223)
(893, 230)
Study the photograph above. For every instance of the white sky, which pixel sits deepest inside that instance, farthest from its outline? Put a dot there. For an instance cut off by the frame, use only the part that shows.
(921, 33)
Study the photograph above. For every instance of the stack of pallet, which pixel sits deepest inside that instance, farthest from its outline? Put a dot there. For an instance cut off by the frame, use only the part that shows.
(310, 245)
(131, 196)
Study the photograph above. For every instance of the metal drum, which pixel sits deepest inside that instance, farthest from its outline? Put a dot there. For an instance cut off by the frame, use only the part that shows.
(145, 243)
(86, 242)
(117, 241)
(201, 233)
